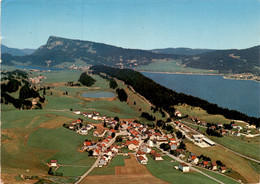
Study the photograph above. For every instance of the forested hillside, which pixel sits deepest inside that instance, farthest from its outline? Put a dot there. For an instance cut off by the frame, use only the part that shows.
(165, 98)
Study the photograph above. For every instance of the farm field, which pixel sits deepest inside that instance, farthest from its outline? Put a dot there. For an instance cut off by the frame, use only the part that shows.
(131, 172)
(110, 169)
(240, 168)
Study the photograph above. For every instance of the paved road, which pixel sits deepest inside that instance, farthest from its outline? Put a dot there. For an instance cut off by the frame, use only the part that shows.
(181, 161)
(92, 167)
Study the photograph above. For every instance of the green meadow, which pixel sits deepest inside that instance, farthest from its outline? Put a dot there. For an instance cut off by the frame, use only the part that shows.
(171, 66)
(165, 170)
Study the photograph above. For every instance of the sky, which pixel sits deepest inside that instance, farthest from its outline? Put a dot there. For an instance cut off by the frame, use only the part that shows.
(142, 24)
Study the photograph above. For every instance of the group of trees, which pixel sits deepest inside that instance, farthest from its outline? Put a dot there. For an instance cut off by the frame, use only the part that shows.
(86, 80)
(165, 98)
(15, 80)
(122, 95)
(148, 116)
(12, 86)
(112, 83)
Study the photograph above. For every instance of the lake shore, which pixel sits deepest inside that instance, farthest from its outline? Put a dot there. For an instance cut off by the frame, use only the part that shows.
(192, 73)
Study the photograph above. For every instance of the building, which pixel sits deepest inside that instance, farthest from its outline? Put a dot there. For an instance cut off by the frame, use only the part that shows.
(54, 163)
(208, 141)
(184, 167)
(142, 160)
(77, 112)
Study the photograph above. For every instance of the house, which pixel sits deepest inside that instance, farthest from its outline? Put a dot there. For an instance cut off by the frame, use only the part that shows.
(77, 112)
(87, 143)
(251, 126)
(177, 113)
(96, 152)
(237, 134)
(194, 159)
(142, 160)
(214, 166)
(132, 145)
(223, 169)
(156, 156)
(95, 133)
(102, 162)
(54, 163)
(72, 127)
(95, 117)
(208, 141)
(114, 148)
(173, 145)
(233, 125)
(213, 127)
(173, 140)
(150, 143)
(83, 131)
(220, 125)
(146, 149)
(184, 167)
(239, 127)
(223, 132)
(96, 113)
(205, 163)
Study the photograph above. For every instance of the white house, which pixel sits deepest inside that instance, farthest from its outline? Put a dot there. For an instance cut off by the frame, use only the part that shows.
(184, 167)
(142, 160)
(77, 112)
(54, 163)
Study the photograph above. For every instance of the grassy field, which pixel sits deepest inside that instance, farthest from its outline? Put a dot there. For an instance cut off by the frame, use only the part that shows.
(254, 165)
(246, 146)
(202, 114)
(110, 169)
(219, 177)
(171, 66)
(165, 171)
(239, 165)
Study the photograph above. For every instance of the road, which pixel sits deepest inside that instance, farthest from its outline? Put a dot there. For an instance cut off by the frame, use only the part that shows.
(92, 167)
(249, 158)
(97, 161)
(181, 161)
(244, 156)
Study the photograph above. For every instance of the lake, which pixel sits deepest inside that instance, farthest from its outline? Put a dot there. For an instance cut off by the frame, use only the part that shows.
(98, 95)
(241, 95)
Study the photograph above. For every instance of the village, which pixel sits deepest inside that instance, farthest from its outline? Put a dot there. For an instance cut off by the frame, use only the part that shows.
(130, 137)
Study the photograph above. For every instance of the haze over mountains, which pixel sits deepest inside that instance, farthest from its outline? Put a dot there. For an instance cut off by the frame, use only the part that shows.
(16, 52)
(59, 50)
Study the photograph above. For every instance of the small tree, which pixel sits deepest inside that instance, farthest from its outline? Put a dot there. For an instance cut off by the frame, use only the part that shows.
(113, 135)
(116, 118)
(90, 153)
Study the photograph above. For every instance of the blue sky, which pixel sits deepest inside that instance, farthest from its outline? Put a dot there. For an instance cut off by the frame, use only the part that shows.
(143, 24)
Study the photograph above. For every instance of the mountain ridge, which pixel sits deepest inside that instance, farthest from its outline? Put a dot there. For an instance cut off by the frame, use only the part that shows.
(58, 50)
(15, 51)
